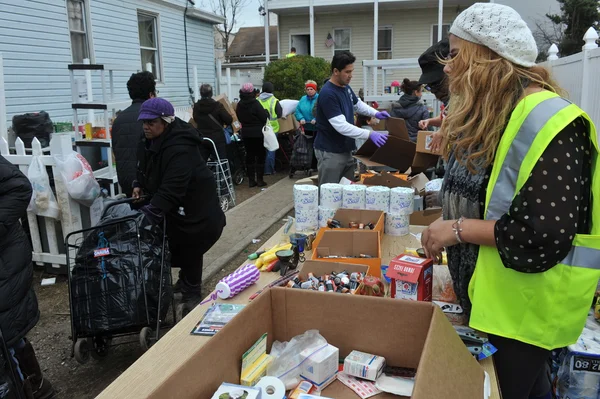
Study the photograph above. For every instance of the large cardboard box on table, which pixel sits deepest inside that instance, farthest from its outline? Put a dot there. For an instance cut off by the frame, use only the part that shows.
(351, 243)
(398, 152)
(408, 334)
(222, 98)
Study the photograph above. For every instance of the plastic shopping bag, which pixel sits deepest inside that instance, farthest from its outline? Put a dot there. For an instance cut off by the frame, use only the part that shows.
(79, 179)
(288, 107)
(271, 143)
(43, 202)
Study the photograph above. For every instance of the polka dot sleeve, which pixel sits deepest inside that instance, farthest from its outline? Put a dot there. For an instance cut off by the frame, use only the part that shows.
(552, 206)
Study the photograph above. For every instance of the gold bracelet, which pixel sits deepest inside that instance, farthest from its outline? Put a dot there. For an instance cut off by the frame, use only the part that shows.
(456, 227)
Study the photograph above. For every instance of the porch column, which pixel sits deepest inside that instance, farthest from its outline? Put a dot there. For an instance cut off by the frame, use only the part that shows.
(3, 129)
(440, 19)
(375, 42)
(267, 39)
(311, 13)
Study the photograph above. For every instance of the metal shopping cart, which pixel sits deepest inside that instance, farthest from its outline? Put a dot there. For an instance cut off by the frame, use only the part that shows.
(222, 173)
(119, 281)
(236, 154)
(11, 386)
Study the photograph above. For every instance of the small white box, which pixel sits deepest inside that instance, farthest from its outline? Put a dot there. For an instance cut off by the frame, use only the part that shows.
(237, 391)
(320, 366)
(364, 365)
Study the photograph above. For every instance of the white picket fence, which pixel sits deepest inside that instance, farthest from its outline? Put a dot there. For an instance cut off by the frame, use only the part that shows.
(70, 211)
(578, 74)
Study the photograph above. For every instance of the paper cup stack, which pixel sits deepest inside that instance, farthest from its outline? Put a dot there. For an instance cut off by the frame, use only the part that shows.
(378, 198)
(306, 203)
(354, 196)
(402, 204)
(331, 200)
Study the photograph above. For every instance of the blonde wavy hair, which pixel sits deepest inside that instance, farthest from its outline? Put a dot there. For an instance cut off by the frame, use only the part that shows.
(484, 90)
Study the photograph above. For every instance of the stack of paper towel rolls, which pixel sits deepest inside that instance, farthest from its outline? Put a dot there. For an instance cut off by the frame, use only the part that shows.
(378, 198)
(331, 200)
(354, 196)
(306, 203)
(397, 221)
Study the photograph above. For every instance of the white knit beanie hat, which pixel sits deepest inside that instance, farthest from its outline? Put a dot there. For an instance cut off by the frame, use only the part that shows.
(500, 28)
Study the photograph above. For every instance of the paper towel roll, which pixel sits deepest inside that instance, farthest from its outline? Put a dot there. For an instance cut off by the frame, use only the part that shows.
(331, 195)
(306, 196)
(271, 388)
(377, 198)
(434, 185)
(402, 201)
(354, 196)
(324, 214)
(307, 220)
(397, 225)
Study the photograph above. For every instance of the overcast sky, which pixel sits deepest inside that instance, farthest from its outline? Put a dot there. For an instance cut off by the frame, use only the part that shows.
(250, 16)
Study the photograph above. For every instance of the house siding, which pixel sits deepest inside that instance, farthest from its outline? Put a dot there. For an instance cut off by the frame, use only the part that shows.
(411, 35)
(35, 44)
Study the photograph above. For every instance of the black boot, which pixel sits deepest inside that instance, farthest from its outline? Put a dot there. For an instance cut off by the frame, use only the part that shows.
(251, 170)
(260, 173)
(191, 296)
(41, 387)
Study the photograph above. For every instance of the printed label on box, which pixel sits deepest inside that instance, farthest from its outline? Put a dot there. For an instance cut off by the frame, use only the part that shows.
(428, 140)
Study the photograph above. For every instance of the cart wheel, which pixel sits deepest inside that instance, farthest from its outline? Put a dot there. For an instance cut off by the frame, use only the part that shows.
(100, 346)
(224, 204)
(238, 177)
(146, 338)
(82, 350)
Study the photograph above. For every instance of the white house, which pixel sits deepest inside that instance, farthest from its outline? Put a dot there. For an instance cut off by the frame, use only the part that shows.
(40, 38)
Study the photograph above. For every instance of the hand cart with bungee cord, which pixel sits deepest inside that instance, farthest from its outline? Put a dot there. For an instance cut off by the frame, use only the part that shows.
(222, 173)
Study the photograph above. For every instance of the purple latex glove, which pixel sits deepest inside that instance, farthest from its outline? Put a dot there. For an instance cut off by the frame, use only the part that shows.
(382, 115)
(379, 138)
(154, 214)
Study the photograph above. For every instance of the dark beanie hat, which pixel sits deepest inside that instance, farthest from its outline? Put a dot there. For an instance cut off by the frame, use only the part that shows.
(432, 70)
(268, 87)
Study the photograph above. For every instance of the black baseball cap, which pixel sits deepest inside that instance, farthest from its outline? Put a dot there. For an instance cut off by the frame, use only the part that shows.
(432, 70)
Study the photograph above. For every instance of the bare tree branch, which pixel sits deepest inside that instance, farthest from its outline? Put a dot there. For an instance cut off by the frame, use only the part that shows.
(229, 10)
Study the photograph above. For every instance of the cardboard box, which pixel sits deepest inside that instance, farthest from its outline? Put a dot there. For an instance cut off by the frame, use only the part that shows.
(288, 124)
(392, 180)
(350, 243)
(320, 268)
(365, 216)
(319, 367)
(424, 143)
(364, 365)
(412, 278)
(410, 334)
(222, 98)
(398, 152)
(426, 217)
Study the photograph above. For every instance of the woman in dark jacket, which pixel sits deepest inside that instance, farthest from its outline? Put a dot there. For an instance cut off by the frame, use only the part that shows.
(18, 304)
(253, 117)
(183, 190)
(410, 108)
(210, 116)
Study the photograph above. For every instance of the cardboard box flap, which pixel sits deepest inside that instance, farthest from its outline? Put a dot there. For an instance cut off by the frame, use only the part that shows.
(365, 159)
(419, 181)
(387, 180)
(367, 149)
(459, 376)
(397, 128)
(395, 153)
(345, 216)
(422, 162)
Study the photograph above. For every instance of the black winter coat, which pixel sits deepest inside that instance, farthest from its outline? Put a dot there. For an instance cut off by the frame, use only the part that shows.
(172, 171)
(18, 304)
(412, 110)
(126, 134)
(206, 126)
(251, 115)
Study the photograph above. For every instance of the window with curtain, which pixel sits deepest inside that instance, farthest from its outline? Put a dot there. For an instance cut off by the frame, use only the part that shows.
(434, 33)
(149, 45)
(80, 47)
(384, 43)
(342, 39)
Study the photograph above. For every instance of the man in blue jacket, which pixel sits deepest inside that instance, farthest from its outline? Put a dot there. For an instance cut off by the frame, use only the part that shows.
(335, 122)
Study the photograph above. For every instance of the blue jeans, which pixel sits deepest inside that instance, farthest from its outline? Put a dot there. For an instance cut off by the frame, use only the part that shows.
(270, 163)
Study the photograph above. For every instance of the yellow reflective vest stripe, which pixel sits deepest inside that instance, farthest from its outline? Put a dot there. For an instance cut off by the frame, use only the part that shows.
(546, 309)
(269, 105)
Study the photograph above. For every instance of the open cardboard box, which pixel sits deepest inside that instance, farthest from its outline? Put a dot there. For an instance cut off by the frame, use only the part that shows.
(392, 180)
(222, 98)
(398, 152)
(350, 243)
(408, 334)
(320, 268)
(288, 124)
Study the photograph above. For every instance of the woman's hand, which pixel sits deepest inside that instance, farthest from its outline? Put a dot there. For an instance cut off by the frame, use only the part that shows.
(436, 141)
(137, 194)
(438, 236)
(313, 121)
(302, 122)
(424, 124)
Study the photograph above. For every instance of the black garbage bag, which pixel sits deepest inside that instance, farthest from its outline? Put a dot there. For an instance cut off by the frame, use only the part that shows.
(28, 126)
(116, 278)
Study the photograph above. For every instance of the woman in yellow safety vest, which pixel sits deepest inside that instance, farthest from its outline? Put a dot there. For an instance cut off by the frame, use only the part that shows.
(521, 211)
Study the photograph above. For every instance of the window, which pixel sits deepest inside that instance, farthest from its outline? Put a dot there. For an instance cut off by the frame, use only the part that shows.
(384, 43)
(78, 28)
(149, 44)
(342, 39)
(434, 33)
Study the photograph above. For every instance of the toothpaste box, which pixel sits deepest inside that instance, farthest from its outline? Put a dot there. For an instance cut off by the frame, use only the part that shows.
(319, 365)
(412, 278)
(364, 365)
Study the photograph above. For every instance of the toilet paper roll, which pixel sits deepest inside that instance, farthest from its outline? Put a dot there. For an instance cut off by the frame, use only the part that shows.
(397, 225)
(271, 388)
(434, 185)
(307, 220)
(331, 195)
(354, 196)
(324, 214)
(377, 198)
(306, 196)
(402, 201)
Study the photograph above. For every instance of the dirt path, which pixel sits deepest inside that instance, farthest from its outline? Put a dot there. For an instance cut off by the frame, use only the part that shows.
(51, 336)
